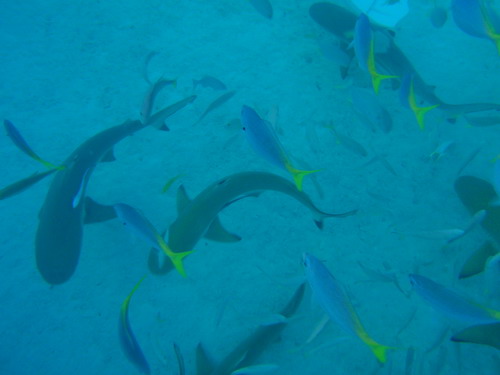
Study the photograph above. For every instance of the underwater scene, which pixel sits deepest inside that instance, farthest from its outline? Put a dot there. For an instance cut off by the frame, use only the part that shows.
(250, 187)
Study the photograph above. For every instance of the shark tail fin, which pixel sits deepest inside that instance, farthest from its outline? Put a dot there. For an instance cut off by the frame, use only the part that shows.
(298, 175)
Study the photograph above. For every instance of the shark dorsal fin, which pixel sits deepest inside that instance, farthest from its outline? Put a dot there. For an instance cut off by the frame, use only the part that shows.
(109, 156)
(204, 364)
(182, 199)
(216, 232)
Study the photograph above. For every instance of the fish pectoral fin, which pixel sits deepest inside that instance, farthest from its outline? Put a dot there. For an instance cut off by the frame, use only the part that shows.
(216, 232)
(182, 199)
(109, 156)
(96, 212)
(204, 364)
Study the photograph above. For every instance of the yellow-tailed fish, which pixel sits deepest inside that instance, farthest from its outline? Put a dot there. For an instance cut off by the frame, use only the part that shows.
(452, 303)
(21, 185)
(408, 100)
(170, 182)
(364, 45)
(66, 208)
(215, 104)
(19, 141)
(332, 298)
(138, 223)
(127, 338)
(265, 142)
(478, 19)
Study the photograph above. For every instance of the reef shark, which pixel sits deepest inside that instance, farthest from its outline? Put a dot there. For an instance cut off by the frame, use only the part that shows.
(66, 208)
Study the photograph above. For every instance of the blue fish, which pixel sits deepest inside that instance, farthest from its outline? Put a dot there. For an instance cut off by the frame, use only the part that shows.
(265, 142)
(478, 19)
(364, 46)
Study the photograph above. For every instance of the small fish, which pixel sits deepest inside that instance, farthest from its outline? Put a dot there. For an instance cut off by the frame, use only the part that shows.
(478, 19)
(256, 369)
(265, 142)
(149, 99)
(484, 334)
(476, 263)
(408, 100)
(383, 12)
(335, 52)
(144, 229)
(209, 81)
(332, 298)
(438, 16)
(369, 110)
(215, 104)
(170, 182)
(451, 303)
(127, 338)
(364, 45)
(264, 7)
(180, 359)
(147, 61)
(21, 185)
(441, 150)
(483, 120)
(349, 143)
(476, 219)
(158, 119)
(19, 141)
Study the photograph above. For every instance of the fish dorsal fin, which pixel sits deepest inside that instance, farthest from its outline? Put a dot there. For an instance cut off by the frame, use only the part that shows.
(216, 232)
(182, 199)
(204, 364)
(96, 212)
(108, 156)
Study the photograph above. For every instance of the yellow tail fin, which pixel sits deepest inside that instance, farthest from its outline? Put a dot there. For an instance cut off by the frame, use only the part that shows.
(380, 351)
(420, 113)
(377, 80)
(175, 258)
(298, 175)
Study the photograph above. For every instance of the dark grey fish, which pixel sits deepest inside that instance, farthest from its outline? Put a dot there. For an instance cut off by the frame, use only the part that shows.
(61, 218)
(150, 97)
(21, 185)
(209, 81)
(216, 103)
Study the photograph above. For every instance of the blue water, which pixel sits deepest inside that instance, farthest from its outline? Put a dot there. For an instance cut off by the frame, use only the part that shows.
(73, 69)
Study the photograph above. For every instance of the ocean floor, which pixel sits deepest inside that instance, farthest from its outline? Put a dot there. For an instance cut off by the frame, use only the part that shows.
(73, 69)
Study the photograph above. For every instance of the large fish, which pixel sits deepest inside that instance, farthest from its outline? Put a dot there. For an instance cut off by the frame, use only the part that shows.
(198, 218)
(341, 23)
(331, 297)
(61, 218)
(483, 334)
(253, 346)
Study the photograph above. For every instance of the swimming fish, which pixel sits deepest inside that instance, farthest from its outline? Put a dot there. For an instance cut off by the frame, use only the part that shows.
(369, 110)
(150, 97)
(180, 359)
(157, 120)
(265, 142)
(198, 218)
(215, 104)
(341, 23)
(138, 223)
(19, 141)
(66, 207)
(21, 185)
(478, 19)
(451, 303)
(484, 334)
(364, 45)
(476, 263)
(408, 100)
(249, 350)
(127, 338)
(209, 81)
(264, 7)
(170, 182)
(330, 295)
(349, 143)
(383, 12)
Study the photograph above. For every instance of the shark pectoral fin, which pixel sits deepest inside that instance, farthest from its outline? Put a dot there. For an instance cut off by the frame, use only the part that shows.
(182, 199)
(204, 364)
(216, 232)
(109, 156)
(96, 212)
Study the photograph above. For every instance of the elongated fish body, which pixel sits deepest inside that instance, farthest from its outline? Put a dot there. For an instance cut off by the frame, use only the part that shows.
(451, 303)
(59, 233)
(21, 185)
(128, 341)
(331, 297)
(198, 215)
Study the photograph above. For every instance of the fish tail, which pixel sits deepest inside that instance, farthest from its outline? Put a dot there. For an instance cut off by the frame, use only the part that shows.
(324, 215)
(176, 259)
(377, 79)
(420, 113)
(298, 175)
(50, 165)
(380, 351)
